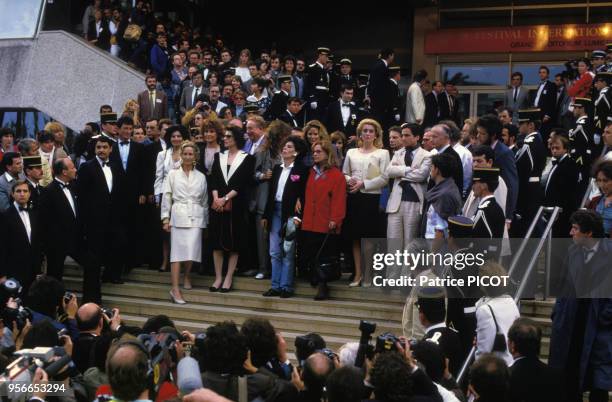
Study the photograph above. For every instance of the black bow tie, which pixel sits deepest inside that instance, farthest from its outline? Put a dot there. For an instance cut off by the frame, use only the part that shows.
(104, 163)
(23, 208)
(124, 143)
(347, 104)
(62, 185)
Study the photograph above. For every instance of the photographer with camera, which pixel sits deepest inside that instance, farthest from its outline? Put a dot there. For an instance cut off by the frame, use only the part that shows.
(128, 370)
(49, 300)
(312, 380)
(231, 369)
(91, 321)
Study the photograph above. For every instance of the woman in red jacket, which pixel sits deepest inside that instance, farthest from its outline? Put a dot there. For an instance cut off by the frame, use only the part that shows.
(581, 88)
(324, 210)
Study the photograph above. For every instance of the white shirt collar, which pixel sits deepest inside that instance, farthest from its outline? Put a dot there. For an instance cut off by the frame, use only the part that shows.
(9, 178)
(258, 142)
(61, 181)
(319, 64)
(483, 199)
(17, 206)
(435, 326)
(100, 161)
(443, 148)
(288, 167)
(385, 61)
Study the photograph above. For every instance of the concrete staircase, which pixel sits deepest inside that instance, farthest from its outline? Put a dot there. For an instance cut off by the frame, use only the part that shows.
(145, 294)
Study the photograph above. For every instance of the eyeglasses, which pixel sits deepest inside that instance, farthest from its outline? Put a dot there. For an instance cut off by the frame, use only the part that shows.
(228, 136)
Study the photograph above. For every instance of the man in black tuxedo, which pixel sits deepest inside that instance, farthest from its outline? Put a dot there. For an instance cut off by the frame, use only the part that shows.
(531, 380)
(32, 167)
(99, 189)
(20, 236)
(343, 115)
(393, 103)
(432, 315)
(436, 105)
(291, 114)
(60, 216)
(546, 101)
(98, 33)
(441, 141)
(130, 160)
(280, 98)
(378, 83)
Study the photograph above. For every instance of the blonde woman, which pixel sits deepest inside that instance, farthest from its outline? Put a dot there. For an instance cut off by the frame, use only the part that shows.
(184, 213)
(131, 109)
(314, 131)
(59, 139)
(363, 169)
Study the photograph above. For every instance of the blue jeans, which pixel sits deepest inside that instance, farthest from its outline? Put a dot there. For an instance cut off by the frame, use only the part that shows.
(282, 265)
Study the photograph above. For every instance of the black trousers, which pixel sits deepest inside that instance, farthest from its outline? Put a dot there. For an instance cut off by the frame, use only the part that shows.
(310, 243)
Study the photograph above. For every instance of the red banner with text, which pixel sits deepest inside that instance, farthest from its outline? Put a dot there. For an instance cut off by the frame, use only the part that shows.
(541, 38)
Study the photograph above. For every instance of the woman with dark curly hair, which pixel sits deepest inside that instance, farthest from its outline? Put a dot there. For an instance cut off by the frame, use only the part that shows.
(212, 131)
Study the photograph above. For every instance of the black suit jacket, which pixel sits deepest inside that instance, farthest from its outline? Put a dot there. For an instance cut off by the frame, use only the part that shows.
(457, 169)
(102, 211)
(278, 105)
(335, 122)
(134, 176)
(533, 381)
(377, 84)
(431, 111)
(150, 160)
(35, 194)
(548, 99)
(104, 36)
(20, 257)
(293, 191)
(560, 190)
(293, 121)
(61, 227)
(450, 344)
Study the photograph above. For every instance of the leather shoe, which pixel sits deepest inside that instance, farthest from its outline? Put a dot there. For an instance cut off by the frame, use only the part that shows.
(225, 290)
(249, 273)
(285, 294)
(322, 292)
(213, 289)
(272, 293)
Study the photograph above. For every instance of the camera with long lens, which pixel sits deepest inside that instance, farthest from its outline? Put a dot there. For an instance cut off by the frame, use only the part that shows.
(365, 349)
(50, 359)
(109, 312)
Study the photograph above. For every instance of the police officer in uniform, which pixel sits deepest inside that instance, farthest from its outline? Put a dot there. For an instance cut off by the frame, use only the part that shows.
(280, 98)
(317, 86)
(108, 123)
(394, 105)
(345, 78)
(581, 142)
(461, 310)
(603, 107)
(609, 57)
(490, 220)
(530, 161)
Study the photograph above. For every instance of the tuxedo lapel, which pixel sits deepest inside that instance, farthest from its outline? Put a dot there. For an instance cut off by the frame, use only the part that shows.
(100, 174)
(223, 163)
(19, 223)
(236, 164)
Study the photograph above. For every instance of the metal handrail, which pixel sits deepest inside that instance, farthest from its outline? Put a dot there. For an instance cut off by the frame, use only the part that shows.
(585, 198)
(544, 239)
(521, 248)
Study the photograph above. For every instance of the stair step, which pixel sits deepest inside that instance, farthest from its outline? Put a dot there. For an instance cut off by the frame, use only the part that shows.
(283, 321)
(538, 308)
(297, 305)
(338, 290)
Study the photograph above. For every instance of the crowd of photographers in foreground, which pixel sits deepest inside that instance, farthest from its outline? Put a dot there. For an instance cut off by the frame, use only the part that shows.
(56, 350)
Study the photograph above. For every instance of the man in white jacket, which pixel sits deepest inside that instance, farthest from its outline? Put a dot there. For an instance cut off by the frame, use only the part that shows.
(415, 102)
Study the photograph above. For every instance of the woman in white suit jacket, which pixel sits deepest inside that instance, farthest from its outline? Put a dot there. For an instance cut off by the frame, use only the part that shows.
(168, 160)
(184, 213)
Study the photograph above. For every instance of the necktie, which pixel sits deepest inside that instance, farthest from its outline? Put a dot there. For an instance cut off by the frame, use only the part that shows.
(195, 96)
(554, 161)
(152, 102)
(23, 208)
(515, 94)
(408, 157)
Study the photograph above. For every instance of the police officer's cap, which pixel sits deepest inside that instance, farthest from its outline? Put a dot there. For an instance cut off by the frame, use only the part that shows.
(527, 115)
(460, 226)
(581, 102)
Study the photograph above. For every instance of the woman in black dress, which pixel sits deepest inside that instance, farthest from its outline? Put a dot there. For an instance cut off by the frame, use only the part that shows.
(231, 176)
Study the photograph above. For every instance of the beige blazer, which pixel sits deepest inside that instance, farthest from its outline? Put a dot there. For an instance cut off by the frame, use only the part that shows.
(416, 174)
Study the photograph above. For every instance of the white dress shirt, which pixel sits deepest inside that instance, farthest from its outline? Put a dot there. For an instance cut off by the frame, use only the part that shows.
(68, 195)
(25, 218)
(108, 174)
(124, 153)
(256, 145)
(539, 93)
(345, 109)
(282, 181)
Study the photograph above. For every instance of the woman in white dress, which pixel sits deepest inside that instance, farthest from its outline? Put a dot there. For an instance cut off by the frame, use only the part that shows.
(167, 160)
(184, 213)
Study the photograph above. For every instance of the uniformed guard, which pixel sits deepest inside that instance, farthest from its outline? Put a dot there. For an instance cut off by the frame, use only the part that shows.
(344, 78)
(251, 109)
(581, 142)
(317, 85)
(603, 107)
(490, 220)
(609, 57)
(530, 162)
(280, 98)
(108, 123)
(598, 60)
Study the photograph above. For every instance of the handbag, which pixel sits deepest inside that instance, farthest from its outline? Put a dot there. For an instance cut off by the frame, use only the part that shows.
(499, 343)
(326, 269)
(132, 33)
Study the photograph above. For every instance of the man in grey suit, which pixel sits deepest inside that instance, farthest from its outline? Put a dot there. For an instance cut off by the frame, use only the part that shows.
(12, 166)
(489, 133)
(190, 94)
(409, 170)
(517, 96)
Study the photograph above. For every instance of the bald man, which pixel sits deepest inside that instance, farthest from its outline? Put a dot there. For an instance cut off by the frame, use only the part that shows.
(90, 322)
(316, 370)
(127, 370)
